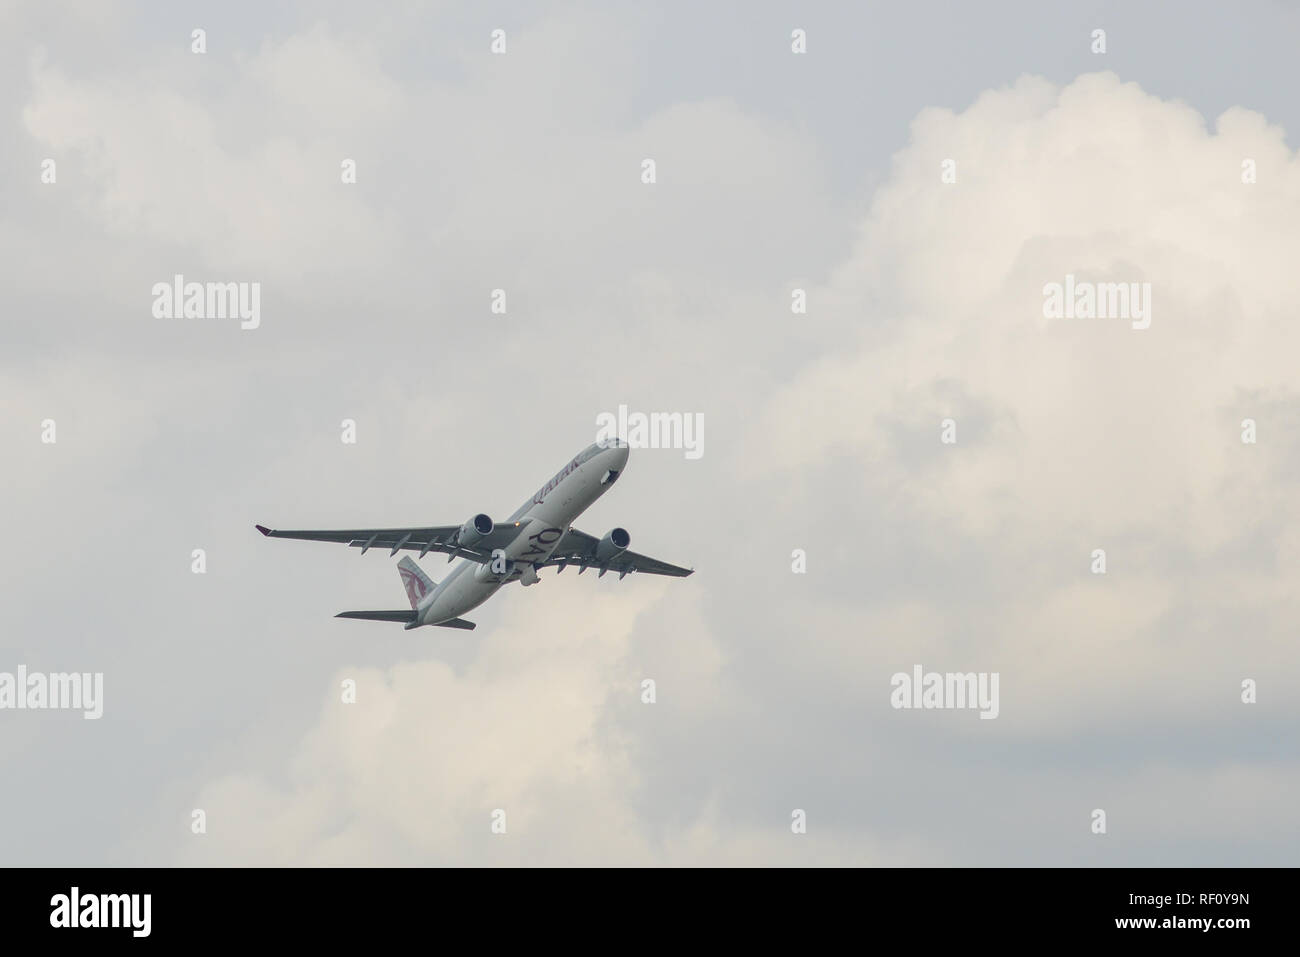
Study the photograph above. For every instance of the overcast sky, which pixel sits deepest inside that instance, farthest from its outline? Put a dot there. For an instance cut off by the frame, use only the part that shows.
(775, 171)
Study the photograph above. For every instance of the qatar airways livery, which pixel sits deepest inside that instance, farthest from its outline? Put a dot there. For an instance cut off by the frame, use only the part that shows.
(537, 535)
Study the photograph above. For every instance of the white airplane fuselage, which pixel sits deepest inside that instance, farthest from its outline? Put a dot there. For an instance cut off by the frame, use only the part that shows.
(542, 521)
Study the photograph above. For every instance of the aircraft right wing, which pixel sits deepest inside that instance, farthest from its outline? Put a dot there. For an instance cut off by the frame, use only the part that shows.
(434, 538)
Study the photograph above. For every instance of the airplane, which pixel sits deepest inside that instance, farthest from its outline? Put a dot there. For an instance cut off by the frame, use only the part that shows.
(538, 535)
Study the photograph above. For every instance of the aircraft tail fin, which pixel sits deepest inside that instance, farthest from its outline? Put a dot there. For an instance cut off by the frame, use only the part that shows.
(414, 580)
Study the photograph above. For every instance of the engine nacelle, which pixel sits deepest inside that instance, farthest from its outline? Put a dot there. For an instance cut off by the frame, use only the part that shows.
(614, 543)
(487, 572)
(474, 530)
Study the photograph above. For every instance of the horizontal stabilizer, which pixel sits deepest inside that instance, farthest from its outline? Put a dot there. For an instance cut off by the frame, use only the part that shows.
(407, 617)
(402, 614)
(456, 623)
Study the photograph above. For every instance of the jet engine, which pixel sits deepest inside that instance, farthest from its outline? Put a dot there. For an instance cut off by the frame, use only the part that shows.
(474, 530)
(614, 543)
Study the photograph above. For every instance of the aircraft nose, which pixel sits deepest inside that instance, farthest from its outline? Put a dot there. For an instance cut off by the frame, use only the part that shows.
(620, 455)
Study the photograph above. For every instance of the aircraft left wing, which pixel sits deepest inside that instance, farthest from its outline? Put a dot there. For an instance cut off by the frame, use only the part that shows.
(434, 538)
(579, 549)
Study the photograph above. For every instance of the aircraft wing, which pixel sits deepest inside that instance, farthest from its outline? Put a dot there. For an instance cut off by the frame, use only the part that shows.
(579, 548)
(434, 538)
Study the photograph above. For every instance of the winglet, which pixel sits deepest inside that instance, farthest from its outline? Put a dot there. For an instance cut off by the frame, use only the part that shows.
(263, 529)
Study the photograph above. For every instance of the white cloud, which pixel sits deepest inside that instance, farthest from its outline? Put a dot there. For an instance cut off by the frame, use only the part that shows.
(1077, 434)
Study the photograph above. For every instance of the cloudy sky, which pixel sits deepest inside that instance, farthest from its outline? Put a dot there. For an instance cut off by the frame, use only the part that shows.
(775, 171)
